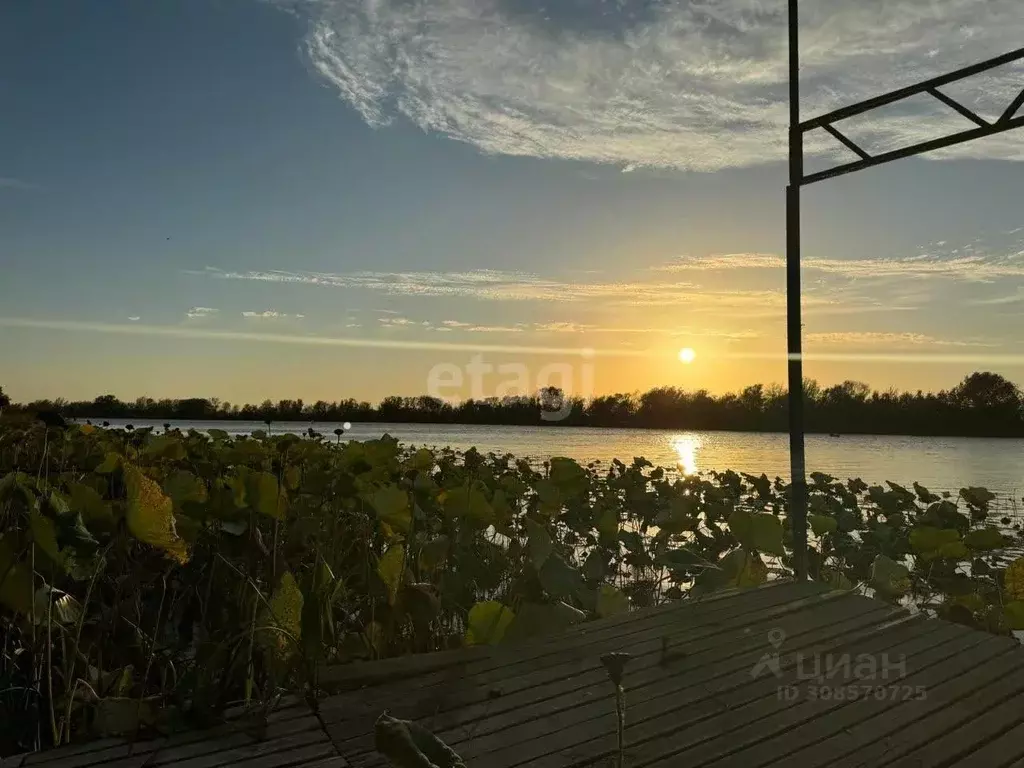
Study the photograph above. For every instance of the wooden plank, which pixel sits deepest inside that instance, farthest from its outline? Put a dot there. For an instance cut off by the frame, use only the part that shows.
(73, 749)
(156, 752)
(749, 724)
(513, 659)
(696, 701)
(463, 687)
(692, 719)
(101, 751)
(953, 746)
(403, 667)
(892, 734)
(584, 671)
(312, 744)
(647, 677)
(688, 679)
(1002, 750)
(898, 694)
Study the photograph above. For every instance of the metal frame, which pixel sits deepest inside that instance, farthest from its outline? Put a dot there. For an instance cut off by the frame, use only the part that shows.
(798, 179)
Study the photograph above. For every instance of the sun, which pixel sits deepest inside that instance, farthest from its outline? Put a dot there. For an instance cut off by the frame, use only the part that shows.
(687, 355)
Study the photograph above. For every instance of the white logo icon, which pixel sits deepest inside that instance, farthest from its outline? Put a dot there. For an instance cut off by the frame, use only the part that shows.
(770, 661)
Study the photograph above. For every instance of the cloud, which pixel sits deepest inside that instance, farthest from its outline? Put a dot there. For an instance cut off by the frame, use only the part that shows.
(270, 314)
(568, 327)
(134, 318)
(199, 312)
(996, 301)
(495, 329)
(970, 266)
(395, 322)
(493, 285)
(208, 334)
(871, 338)
(688, 84)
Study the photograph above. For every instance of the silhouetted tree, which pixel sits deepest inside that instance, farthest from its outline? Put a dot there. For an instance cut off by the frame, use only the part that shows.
(983, 403)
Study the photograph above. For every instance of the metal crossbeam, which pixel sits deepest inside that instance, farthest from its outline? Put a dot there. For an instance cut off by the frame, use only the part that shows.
(1006, 122)
(1009, 120)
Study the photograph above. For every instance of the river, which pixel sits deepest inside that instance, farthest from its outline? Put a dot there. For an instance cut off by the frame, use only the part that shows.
(939, 463)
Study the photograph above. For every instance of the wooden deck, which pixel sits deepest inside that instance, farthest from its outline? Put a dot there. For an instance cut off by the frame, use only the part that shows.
(692, 698)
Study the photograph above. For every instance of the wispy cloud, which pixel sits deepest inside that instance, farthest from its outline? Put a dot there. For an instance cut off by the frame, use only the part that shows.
(1013, 298)
(196, 313)
(871, 338)
(685, 84)
(270, 314)
(972, 266)
(188, 332)
(134, 318)
(491, 285)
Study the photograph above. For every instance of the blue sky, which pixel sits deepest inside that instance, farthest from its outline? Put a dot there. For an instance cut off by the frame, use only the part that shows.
(252, 199)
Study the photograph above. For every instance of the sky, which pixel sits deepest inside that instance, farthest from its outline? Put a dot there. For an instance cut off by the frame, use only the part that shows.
(325, 199)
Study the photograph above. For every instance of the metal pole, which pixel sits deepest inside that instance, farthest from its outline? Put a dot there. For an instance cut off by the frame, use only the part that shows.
(798, 485)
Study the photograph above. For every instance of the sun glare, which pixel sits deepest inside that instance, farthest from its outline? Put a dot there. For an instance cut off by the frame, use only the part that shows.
(687, 355)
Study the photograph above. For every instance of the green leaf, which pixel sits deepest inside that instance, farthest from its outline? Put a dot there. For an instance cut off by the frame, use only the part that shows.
(737, 568)
(184, 487)
(681, 558)
(568, 477)
(681, 515)
(611, 601)
(924, 494)
(90, 505)
(985, 539)
(822, 524)
(111, 462)
(318, 612)
(559, 579)
(434, 553)
(117, 716)
(607, 523)
(406, 744)
(266, 496)
(469, 504)
(15, 581)
(1014, 614)
(285, 613)
(539, 619)
(889, 577)
(539, 543)
(44, 533)
(762, 531)
(596, 566)
(931, 543)
(72, 534)
(1013, 579)
(977, 497)
(487, 623)
(150, 515)
(236, 483)
(391, 504)
(740, 525)
(165, 447)
(391, 569)
(217, 434)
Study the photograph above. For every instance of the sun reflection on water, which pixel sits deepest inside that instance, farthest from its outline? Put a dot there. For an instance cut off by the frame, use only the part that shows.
(687, 446)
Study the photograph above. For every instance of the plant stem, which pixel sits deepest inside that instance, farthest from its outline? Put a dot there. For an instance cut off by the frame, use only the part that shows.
(620, 714)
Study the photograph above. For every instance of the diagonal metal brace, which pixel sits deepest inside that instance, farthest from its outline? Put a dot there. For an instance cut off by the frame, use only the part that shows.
(845, 141)
(973, 117)
(1012, 109)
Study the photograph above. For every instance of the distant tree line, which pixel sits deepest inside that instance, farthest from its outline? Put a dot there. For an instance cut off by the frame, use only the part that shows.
(983, 404)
